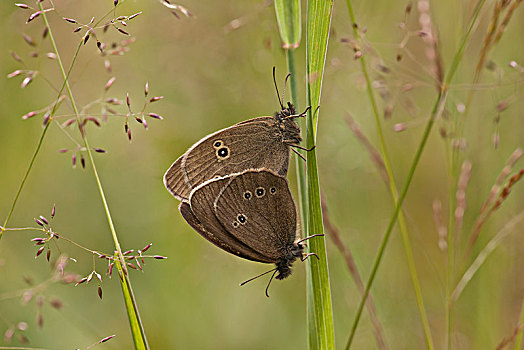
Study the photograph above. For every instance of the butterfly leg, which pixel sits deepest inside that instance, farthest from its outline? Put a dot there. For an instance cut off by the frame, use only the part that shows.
(305, 256)
(303, 148)
(309, 237)
(298, 154)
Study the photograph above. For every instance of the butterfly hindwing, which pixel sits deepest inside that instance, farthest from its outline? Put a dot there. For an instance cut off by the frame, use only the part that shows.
(256, 207)
(200, 215)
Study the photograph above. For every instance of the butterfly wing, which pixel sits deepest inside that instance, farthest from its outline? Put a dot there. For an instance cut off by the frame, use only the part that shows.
(256, 207)
(255, 143)
(200, 215)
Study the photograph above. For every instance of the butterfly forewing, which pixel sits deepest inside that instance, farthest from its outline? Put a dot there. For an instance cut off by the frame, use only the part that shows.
(257, 208)
(199, 213)
(255, 143)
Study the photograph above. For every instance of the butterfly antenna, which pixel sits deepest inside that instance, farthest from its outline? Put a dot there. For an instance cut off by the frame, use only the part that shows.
(270, 280)
(284, 90)
(262, 274)
(309, 237)
(276, 87)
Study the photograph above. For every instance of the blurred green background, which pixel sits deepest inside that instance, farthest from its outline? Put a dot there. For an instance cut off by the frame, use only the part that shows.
(213, 73)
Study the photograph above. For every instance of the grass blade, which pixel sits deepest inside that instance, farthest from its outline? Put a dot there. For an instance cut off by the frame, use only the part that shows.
(320, 313)
(288, 18)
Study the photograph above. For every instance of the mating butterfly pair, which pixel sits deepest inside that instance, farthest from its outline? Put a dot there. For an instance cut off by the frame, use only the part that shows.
(234, 193)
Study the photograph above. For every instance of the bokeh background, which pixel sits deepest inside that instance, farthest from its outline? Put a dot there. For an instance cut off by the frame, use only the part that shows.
(214, 70)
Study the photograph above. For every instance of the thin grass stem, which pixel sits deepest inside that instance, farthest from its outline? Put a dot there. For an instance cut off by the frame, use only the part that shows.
(393, 189)
(137, 329)
(435, 113)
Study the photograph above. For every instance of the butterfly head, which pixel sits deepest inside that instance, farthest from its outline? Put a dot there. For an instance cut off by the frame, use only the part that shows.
(292, 252)
(287, 126)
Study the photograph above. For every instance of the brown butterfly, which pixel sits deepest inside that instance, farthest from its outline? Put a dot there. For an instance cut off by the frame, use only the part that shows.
(251, 215)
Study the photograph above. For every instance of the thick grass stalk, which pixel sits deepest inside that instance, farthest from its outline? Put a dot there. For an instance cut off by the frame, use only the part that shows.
(288, 18)
(393, 189)
(289, 25)
(299, 163)
(137, 329)
(320, 313)
(435, 113)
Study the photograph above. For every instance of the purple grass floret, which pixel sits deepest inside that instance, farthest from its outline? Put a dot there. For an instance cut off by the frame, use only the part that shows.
(156, 116)
(39, 251)
(33, 16)
(44, 220)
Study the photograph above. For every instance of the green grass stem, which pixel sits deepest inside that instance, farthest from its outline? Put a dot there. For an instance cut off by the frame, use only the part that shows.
(320, 313)
(393, 190)
(137, 329)
(435, 113)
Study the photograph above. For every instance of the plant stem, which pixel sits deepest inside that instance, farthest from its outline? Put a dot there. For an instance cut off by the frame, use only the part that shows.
(436, 111)
(300, 169)
(137, 328)
(320, 311)
(24, 179)
(393, 189)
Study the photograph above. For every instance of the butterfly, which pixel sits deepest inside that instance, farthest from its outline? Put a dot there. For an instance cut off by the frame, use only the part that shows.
(250, 214)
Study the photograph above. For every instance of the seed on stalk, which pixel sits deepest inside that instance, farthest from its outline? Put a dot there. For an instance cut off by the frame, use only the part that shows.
(14, 73)
(122, 31)
(16, 57)
(156, 116)
(111, 336)
(134, 15)
(29, 40)
(33, 16)
(109, 83)
(39, 251)
(26, 81)
(29, 115)
(156, 98)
